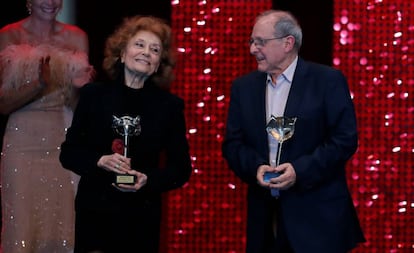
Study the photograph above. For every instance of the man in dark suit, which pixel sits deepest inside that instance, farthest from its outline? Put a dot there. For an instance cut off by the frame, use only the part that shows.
(313, 211)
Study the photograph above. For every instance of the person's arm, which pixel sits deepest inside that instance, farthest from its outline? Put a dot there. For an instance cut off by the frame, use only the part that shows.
(77, 37)
(177, 169)
(75, 154)
(335, 138)
(6, 36)
(12, 99)
(83, 41)
(15, 90)
(85, 72)
(242, 159)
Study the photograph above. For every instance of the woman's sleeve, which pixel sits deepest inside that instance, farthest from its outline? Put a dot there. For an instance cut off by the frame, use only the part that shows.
(75, 154)
(177, 163)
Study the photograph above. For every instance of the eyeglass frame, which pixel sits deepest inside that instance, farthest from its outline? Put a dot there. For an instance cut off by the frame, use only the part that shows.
(260, 42)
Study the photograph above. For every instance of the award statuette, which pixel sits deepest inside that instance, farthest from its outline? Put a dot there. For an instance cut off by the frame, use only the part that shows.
(280, 129)
(126, 126)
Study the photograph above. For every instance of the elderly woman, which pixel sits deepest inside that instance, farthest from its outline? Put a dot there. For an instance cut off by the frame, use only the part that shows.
(128, 142)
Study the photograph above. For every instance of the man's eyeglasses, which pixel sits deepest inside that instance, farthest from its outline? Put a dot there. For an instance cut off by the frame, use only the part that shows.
(260, 42)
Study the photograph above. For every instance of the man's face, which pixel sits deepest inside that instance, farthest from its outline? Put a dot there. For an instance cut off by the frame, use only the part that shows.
(269, 50)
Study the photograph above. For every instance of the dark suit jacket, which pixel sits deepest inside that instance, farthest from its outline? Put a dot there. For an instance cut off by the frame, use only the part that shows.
(317, 211)
(161, 151)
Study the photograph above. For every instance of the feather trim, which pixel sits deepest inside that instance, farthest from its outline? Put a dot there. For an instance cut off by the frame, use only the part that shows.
(20, 65)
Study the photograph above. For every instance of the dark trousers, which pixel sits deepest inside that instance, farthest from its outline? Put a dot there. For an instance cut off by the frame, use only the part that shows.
(281, 242)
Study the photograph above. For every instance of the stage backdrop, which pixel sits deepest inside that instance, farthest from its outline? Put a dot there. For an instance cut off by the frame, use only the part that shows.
(208, 214)
(372, 44)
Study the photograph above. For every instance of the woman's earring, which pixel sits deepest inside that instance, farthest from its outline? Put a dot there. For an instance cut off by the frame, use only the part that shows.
(29, 7)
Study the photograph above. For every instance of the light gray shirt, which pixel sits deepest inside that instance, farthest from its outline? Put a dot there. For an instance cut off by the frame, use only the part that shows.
(276, 97)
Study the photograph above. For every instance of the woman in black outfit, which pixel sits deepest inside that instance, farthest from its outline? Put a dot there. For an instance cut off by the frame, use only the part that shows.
(125, 216)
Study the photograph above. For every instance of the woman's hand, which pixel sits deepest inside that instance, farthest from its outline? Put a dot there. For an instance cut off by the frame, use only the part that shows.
(286, 176)
(116, 163)
(122, 165)
(44, 71)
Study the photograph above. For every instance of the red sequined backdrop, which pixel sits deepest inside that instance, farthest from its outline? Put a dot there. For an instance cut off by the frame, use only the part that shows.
(208, 214)
(373, 45)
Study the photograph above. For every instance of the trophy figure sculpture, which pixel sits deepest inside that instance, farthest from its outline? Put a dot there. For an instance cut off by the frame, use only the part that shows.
(126, 126)
(280, 129)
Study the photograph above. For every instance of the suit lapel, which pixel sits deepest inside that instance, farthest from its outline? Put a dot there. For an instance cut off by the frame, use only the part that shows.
(258, 110)
(258, 97)
(293, 102)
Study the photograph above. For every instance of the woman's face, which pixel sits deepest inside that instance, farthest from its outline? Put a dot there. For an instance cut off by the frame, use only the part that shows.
(45, 9)
(142, 54)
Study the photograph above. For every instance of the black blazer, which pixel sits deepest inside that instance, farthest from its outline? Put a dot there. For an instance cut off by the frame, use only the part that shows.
(318, 211)
(161, 150)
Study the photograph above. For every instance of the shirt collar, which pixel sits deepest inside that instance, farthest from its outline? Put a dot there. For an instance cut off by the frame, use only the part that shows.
(288, 73)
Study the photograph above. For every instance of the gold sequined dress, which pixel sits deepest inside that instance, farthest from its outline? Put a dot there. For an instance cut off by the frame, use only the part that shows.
(37, 194)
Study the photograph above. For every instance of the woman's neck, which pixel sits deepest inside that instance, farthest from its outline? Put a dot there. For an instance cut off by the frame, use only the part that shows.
(135, 81)
(41, 30)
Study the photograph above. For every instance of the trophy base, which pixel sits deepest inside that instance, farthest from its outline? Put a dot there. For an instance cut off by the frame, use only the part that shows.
(125, 179)
(269, 175)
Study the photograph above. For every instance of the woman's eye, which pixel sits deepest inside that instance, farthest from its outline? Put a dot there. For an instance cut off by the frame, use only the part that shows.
(155, 50)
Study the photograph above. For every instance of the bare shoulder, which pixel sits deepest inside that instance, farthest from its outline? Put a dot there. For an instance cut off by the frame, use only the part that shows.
(12, 27)
(9, 33)
(73, 29)
(75, 36)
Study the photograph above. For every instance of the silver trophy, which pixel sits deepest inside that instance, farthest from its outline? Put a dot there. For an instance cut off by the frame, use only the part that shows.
(280, 129)
(126, 126)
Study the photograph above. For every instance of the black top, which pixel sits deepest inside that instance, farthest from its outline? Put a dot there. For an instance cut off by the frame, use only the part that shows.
(160, 151)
